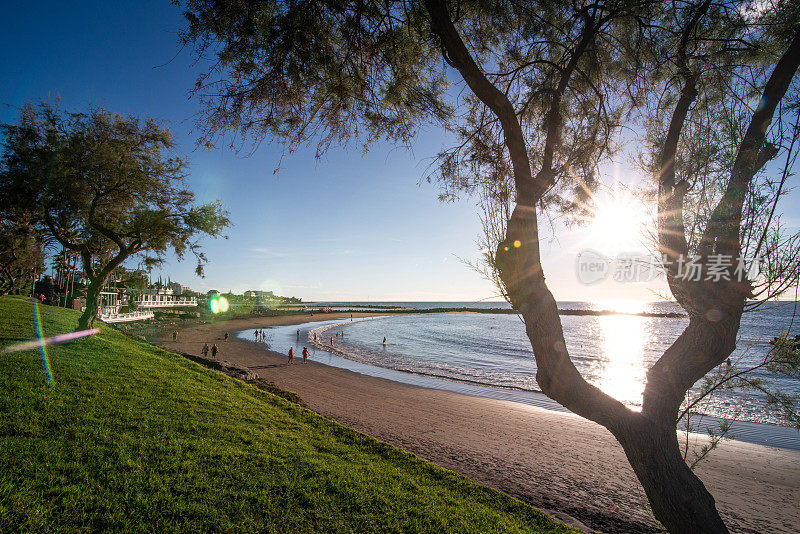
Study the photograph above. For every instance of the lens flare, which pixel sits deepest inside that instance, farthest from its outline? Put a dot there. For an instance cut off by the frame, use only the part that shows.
(37, 317)
(42, 342)
(213, 305)
(55, 340)
(223, 304)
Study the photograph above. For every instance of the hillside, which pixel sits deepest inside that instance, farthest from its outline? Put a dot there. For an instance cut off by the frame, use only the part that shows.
(132, 437)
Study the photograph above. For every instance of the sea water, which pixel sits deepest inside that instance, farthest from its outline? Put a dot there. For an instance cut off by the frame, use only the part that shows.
(490, 351)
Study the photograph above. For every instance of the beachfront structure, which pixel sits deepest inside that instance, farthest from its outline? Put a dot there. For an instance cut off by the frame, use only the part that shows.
(110, 306)
(110, 315)
(163, 298)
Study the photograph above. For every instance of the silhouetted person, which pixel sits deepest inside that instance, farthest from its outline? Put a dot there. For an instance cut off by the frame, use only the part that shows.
(214, 351)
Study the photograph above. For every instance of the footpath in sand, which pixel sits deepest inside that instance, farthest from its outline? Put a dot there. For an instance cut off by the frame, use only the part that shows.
(556, 461)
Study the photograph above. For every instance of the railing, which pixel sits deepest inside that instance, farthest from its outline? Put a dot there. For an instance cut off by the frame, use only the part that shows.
(172, 303)
(110, 316)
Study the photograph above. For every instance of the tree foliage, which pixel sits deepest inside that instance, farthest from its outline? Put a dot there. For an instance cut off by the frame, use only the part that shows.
(105, 186)
(328, 71)
(22, 253)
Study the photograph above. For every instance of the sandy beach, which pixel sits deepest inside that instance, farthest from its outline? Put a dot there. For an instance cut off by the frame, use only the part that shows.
(559, 462)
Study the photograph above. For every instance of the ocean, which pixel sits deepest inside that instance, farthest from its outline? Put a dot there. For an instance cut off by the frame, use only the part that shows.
(488, 354)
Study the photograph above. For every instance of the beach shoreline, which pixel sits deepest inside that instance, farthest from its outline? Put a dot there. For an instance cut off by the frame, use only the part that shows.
(556, 461)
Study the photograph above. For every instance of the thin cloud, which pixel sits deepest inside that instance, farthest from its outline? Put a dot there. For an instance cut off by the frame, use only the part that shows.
(262, 252)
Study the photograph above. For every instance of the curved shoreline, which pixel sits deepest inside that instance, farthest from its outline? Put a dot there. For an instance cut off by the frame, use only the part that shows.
(765, 434)
(556, 461)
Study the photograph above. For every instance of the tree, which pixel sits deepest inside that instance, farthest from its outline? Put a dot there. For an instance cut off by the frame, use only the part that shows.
(104, 186)
(22, 252)
(549, 86)
(709, 151)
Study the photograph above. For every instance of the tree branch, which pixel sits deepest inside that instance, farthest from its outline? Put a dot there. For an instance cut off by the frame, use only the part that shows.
(522, 272)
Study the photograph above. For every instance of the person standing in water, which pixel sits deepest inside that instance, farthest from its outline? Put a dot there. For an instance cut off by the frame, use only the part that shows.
(305, 354)
(298, 333)
(384, 341)
(291, 355)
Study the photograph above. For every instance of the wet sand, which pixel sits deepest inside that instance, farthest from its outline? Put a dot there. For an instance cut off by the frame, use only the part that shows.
(559, 462)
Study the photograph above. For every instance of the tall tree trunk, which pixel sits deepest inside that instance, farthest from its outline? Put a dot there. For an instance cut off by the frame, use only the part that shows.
(678, 498)
(92, 302)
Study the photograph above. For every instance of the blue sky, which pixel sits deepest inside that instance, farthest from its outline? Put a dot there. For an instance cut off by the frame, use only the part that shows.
(346, 226)
(350, 226)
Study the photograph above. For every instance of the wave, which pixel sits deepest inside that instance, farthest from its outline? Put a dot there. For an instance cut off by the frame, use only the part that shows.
(488, 350)
(316, 335)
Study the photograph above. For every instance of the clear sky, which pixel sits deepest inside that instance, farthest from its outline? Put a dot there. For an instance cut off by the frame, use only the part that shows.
(348, 227)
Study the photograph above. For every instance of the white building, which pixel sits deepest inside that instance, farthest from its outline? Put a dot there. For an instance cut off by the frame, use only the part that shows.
(163, 298)
(110, 306)
(178, 289)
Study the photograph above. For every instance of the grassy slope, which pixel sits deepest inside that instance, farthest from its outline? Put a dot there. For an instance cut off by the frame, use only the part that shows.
(133, 437)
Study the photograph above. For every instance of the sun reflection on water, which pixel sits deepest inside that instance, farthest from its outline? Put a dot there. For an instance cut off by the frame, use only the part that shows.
(622, 368)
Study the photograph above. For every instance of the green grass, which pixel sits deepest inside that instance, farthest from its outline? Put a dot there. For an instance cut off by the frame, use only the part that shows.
(136, 438)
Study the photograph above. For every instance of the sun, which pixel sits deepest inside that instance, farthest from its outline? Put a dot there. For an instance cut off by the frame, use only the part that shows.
(618, 223)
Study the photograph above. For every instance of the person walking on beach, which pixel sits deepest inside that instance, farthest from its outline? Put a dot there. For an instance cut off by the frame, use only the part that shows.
(214, 351)
(226, 336)
(305, 354)
(204, 352)
(291, 355)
